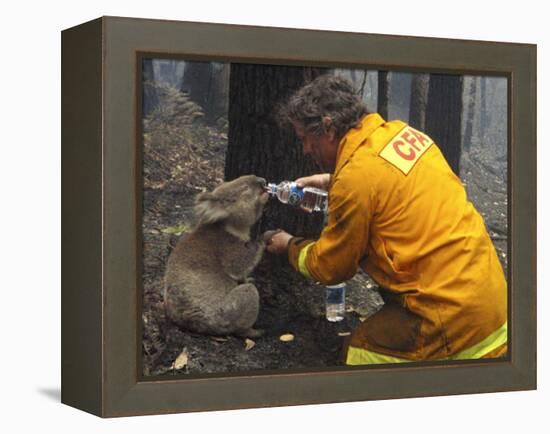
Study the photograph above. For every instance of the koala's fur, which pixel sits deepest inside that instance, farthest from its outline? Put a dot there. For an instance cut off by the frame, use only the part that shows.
(206, 287)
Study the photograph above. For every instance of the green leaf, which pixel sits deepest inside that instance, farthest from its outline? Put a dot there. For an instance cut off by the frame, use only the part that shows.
(176, 230)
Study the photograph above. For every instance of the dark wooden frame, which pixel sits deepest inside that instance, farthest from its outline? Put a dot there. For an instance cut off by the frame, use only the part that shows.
(100, 211)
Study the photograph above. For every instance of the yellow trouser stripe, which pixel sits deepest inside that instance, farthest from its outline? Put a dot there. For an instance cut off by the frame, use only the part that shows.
(360, 356)
(302, 261)
(491, 342)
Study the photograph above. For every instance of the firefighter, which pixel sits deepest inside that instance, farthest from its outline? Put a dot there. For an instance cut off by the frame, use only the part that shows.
(397, 210)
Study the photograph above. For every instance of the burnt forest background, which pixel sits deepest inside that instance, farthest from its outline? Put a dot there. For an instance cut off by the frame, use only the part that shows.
(205, 122)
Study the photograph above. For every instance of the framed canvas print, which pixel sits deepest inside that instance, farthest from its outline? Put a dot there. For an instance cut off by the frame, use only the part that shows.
(263, 217)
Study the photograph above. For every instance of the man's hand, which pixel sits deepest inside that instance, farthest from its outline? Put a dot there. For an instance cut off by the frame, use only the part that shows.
(276, 241)
(321, 180)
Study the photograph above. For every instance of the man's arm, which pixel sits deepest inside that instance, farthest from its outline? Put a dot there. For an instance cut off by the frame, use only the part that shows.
(335, 256)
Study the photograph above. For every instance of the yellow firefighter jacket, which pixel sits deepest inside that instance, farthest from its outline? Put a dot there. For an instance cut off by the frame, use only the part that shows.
(397, 210)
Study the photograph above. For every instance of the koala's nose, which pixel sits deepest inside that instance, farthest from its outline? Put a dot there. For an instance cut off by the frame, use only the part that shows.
(262, 182)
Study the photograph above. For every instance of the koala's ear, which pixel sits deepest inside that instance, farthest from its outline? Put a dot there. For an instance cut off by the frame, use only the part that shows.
(209, 209)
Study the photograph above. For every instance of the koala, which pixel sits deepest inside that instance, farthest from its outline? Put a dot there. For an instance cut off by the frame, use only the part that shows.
(207, 288)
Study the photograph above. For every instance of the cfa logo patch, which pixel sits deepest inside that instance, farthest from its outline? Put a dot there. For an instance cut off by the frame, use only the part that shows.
(406, 148)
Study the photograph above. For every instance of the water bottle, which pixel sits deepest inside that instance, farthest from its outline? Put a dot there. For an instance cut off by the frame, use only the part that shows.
(335, 302)
(308, 198)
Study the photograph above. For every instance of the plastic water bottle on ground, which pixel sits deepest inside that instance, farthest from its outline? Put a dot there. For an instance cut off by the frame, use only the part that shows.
(336, 302)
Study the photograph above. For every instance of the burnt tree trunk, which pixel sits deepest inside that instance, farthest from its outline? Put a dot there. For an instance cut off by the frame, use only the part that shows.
(200, 83)
(206, 84)
(361, 91)
(219, 99)
(470, 113)
(383, 94)
(419, 101)
(444, 116)
(197, 80)
(483, 113)
(256, 144)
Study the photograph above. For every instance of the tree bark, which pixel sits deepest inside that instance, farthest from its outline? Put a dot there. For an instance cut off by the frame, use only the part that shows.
(383, 94)
(256, 144)
(419, 100)
(444, 116)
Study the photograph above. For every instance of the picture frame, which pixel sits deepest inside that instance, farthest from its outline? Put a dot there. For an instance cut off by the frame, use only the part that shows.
(100, 214)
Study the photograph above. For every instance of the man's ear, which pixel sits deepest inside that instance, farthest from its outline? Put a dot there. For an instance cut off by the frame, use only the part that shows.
(327, 122)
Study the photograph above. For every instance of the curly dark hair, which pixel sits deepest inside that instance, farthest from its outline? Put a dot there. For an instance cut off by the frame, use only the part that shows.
(326, 96)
